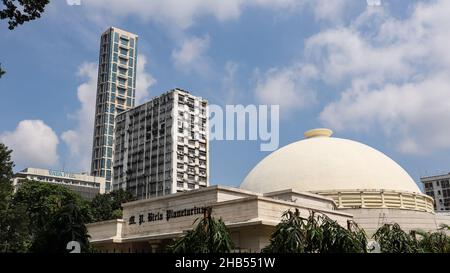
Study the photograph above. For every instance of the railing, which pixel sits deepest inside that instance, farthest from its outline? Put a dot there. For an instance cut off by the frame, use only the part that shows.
(380, 199)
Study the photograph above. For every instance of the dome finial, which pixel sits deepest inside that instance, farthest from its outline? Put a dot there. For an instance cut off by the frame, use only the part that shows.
(318, 132)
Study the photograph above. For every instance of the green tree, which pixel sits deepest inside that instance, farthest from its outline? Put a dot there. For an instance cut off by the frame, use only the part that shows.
(315, 234)
(337, 239)
(208, 236)
(18, 12)
(55, 216)
(444, 226)
(13, 232)
(393, 239)
(6, 174)
(434, 242)
(290, 235)
(109, 206)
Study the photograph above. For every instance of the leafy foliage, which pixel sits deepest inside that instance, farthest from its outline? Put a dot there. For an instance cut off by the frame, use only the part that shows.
(434, 242)
(13, 226)
(109, 206)
(21, 12)
(289, 235)
(209, 236)
(315, 234)
(393, 239)
(6, 174)
(55, 216)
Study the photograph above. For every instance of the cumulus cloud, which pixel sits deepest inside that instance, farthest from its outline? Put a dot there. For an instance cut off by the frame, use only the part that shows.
(191, 55)
(286, 87)
(183, 14)
(396, 76)
(330, 10)
(34, 144)
(79, 139)
(390, 75)
(415, 113)
(144, 80)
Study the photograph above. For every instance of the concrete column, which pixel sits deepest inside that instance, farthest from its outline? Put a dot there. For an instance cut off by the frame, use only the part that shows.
(401, 200)
(383, 204)
(339, 200)
(363, 205)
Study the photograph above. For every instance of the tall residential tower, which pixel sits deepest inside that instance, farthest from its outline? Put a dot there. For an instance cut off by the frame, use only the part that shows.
(161, 147)
(116, 87)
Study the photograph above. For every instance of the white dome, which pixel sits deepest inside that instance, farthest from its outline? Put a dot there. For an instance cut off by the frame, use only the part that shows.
(323, 163)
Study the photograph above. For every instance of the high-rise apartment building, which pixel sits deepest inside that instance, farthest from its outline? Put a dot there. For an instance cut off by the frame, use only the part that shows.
(115, 93)
(161, 147)
(438, 187)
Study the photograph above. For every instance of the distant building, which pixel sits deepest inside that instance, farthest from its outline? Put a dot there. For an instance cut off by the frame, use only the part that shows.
(161, 147)
(438, 187)
(115, 93)
(85, 185)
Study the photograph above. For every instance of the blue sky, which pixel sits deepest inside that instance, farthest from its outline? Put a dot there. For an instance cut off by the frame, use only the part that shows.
(378, 75)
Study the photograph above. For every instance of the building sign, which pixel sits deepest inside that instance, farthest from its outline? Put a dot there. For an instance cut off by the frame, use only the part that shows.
(61, 174)
(168, 214)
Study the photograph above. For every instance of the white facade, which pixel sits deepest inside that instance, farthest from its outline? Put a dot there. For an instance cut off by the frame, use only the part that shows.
(87, 186)
(161, 147)
(344, 179)
(149, 225)
(353, 174)
(438, 187)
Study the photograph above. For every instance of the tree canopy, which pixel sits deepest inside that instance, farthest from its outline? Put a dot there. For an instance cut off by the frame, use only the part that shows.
(208, 236)
(17, 12)
(12, 223)
(316, 233)
(109, 206)
(55, 214)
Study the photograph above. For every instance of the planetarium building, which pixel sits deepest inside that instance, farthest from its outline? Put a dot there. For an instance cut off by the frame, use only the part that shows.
(344, 179)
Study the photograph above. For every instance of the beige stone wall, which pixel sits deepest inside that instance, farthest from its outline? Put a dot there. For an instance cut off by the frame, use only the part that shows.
(105, 230)
(372, 219)
(251, 217)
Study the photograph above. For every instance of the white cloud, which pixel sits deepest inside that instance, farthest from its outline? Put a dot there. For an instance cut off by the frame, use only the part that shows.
(34, 144)
(286, 87)
(79, 139)
(330, 10)
(191, 55)
(396, 76)
(415, 113)
(392, 75)
(183, 14)
(144, 80)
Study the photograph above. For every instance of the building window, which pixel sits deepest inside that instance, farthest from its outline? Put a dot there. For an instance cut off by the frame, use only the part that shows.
(123, 51)
(122, 70)
(123, 41)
